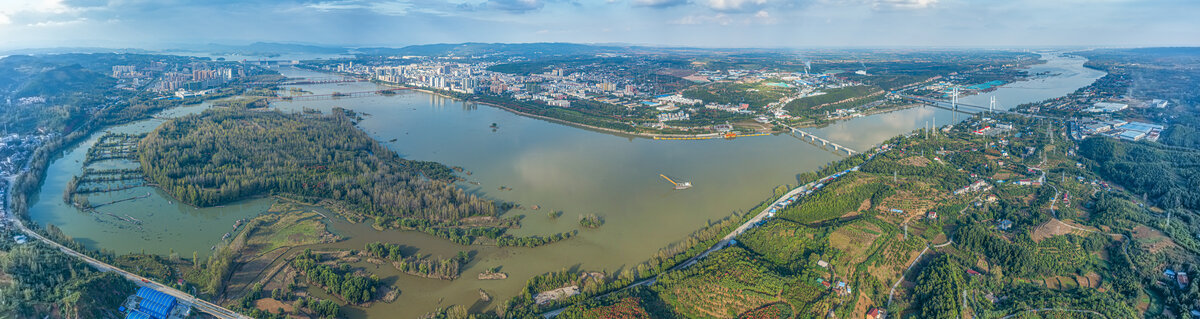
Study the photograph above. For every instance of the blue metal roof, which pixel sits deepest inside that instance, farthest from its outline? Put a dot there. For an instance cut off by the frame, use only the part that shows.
(137, 315)
(155, 303)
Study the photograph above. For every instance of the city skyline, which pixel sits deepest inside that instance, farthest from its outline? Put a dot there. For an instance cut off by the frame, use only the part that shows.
(693, 23)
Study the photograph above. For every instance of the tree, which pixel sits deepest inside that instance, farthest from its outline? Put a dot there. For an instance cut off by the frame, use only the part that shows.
(938, 287)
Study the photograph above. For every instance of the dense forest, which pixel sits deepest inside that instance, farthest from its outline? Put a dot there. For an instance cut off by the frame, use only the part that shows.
(224, 155)
(38, 281)
(1166, 175)
(937, 295)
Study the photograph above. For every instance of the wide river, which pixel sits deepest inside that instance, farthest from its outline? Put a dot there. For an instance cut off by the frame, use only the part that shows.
(555, 166)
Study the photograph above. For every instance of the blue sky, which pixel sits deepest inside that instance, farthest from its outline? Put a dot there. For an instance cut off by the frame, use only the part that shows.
(707, 23)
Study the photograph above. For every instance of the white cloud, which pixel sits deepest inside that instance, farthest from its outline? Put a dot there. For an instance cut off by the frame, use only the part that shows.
(381, 7)
(516, 6)
(9, 7)
(658, 3)
(53, 23)
(4, 19)
(735, 5)
(719, 18)
(905, 4)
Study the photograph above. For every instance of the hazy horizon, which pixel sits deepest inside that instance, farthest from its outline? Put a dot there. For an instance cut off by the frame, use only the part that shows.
(670, 23)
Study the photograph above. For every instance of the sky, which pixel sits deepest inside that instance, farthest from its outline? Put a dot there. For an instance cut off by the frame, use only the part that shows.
(157, 24)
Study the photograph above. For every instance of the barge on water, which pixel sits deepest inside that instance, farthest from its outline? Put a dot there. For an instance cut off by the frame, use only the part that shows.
(678, 186)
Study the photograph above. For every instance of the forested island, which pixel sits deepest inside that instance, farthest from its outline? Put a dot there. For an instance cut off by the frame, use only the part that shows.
(225, 155)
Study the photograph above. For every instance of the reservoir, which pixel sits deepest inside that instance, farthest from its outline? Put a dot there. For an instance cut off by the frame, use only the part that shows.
(537, 162)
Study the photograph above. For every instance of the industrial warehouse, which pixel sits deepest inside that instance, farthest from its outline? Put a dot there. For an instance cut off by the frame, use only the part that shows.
(148, 303)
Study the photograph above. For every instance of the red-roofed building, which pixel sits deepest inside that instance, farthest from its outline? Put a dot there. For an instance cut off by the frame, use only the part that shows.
(877, 313)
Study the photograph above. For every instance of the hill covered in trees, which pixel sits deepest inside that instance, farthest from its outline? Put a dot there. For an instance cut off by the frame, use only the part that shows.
(224, 155)
(38, 281)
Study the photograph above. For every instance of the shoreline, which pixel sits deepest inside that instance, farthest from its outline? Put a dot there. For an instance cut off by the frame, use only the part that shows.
(651, 135)
(656, 136)
(569, 123)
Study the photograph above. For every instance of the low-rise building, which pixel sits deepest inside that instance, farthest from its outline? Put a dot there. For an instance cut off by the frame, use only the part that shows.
(877, 313)
(1107, 107)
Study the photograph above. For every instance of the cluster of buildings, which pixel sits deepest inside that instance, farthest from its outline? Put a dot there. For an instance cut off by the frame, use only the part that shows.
(1180, 278)
(1132, 131)
(168, 77)
(471, 78)
(196, 80)
(15, 149)
(630, 85)
(993, 130)
(977, 186)
(677, 116)
(1106, 107)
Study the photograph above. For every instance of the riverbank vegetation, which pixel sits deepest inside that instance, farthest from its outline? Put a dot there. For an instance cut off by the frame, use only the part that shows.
(223, 155)
(590, 221)
(418, 265)
(340, 281)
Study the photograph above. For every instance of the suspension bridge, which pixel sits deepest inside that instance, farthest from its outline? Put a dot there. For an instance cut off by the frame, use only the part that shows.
(954, 105)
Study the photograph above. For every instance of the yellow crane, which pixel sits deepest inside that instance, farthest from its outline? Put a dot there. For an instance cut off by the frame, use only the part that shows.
(684, 185)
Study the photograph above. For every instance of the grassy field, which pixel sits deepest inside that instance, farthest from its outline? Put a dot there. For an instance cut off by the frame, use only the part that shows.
(288, 226)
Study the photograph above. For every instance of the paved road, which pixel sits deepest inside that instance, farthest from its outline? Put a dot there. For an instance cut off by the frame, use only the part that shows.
(1056, 309)
(196, 303)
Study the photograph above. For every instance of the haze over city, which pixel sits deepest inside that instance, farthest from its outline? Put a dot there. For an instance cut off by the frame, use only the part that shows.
(703, 23)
